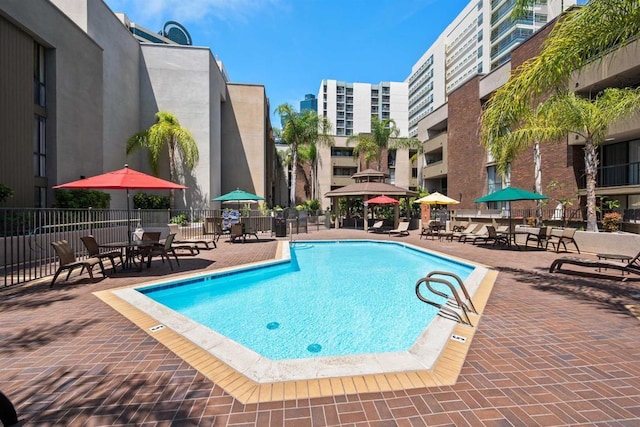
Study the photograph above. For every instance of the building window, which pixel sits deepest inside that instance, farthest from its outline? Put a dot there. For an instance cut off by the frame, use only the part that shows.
(341, 152)
(40, 197)
(479, 20)
(39, 146)
(479, 36)
(414, 172)
(38, 75)
(479, 67)
(480, 52)
(344, 171)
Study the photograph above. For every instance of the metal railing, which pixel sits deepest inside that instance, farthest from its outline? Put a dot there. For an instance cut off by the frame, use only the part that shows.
(26, 253)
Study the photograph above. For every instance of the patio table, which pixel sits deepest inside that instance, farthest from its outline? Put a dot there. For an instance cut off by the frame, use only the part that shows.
(131, 248)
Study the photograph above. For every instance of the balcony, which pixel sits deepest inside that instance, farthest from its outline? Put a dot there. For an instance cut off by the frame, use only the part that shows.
(435, 170)
(346, 161)
(435, 143)
(341, 180)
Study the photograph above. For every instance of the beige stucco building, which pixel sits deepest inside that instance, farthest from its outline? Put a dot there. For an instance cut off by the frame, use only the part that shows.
(76, 84)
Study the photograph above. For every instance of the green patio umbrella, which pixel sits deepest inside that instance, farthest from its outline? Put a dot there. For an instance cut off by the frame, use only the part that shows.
(510, 194)
(238, 196)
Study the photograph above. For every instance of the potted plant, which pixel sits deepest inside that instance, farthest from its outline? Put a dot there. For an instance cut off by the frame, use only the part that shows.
(611, 221)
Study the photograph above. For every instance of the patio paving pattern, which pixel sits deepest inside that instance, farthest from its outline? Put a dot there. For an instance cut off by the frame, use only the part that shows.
(550, 349)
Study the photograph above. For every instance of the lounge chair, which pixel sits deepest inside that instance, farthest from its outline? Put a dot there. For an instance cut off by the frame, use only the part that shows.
(93, 249)
(492, 236)
(402, 230)
(164, 251)
(633, 266)
(376, 227)
(479, 230)
(68, 261)
(180, 242)
(566, 237)
(469, 229)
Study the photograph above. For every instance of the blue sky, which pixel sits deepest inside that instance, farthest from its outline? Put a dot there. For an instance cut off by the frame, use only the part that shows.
(289, 46)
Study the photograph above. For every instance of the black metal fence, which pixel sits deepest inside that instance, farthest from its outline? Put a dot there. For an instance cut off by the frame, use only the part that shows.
(26, 234)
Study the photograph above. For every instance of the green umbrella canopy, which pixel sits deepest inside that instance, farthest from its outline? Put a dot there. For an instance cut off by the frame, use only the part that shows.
(510, 194)
(237, 196)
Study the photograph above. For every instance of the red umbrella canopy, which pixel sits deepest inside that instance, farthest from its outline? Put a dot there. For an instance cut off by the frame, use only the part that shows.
(122, 179)
(383, 200)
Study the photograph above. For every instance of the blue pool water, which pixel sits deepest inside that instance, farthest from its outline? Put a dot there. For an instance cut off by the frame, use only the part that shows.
(332, 299)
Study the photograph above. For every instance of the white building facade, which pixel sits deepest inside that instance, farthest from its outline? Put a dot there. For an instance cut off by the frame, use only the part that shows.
(349, 108)
(479, 40)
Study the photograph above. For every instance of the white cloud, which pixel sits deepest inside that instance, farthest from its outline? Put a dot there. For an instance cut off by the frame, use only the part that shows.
(194, 11)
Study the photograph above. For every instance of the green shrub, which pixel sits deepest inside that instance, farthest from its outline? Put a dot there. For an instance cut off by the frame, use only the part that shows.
(150, 201)
(5, 193)
(179, 219)
(82, 199)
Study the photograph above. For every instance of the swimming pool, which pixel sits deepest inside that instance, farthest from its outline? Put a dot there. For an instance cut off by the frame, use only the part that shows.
(332, 299)
(420, 355)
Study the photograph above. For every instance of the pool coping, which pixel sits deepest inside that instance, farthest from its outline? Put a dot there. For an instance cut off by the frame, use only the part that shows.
(250, 377)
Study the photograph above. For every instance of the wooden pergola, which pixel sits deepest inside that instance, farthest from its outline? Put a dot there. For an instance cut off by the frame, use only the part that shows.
(369, 183)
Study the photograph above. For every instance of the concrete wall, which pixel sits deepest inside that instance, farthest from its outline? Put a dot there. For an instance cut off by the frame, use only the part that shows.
(177, 79)
(244, 144)
(74, 91)
(121, 82)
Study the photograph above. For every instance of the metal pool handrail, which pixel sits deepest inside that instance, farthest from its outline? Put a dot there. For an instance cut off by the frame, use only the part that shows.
(446, 311)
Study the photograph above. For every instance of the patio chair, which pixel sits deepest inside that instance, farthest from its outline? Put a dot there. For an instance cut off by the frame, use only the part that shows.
(431, 229)
(69, 263)
(93, 249)
(492, 236)
(142, 251)
(566, 237)
(633, 266)
(539, 238)
(163, 251)
(376, 227)
(180, 242)
(402, 230)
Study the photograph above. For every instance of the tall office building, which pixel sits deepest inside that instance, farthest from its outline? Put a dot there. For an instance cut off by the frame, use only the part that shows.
(479, 40)
(349, 108)
(309, 103)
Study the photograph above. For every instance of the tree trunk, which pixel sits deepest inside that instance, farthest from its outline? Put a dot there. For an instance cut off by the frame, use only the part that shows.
(537, 168)
(591, 171)
(172, 174)
(294, 173)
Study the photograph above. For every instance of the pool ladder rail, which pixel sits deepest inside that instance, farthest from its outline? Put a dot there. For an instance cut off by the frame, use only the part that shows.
(455, 309)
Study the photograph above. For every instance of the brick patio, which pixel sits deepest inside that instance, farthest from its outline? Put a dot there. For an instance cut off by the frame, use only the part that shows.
(551, 349)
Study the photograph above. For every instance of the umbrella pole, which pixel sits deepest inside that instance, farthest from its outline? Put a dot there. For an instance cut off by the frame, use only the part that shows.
(128, 219)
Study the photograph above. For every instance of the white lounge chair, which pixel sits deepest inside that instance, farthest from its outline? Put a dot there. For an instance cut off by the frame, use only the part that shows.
(402, 230)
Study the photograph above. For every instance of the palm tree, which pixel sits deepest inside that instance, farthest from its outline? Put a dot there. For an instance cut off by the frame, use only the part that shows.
(535, 125)
(166, 131)
(300, 130)
(591, 120)
(309, 154)
(579, 36)
(384, 135)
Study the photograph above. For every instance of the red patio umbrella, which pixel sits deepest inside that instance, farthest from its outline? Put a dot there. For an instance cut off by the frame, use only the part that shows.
(382, 200)
(123, 179)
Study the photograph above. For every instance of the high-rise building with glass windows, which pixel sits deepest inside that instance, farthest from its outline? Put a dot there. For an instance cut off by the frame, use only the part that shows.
(309, 103)
(479, 40)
